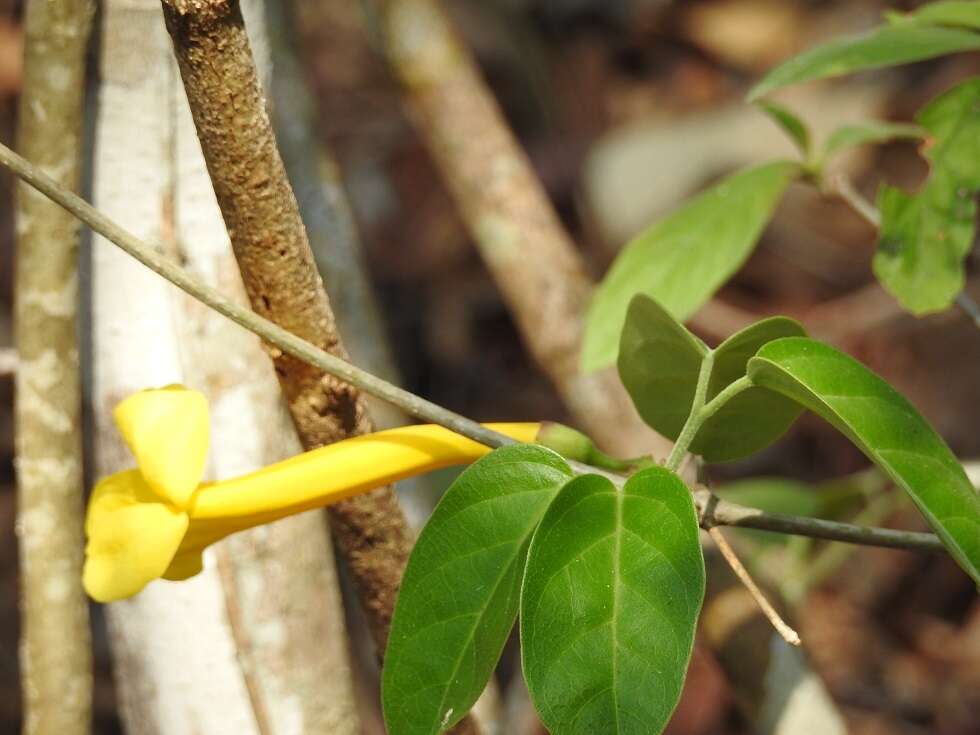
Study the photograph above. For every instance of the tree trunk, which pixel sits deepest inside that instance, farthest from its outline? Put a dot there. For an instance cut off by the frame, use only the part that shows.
(55, 652)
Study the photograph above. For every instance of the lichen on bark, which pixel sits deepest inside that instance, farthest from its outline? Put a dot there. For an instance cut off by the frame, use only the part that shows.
(55, 651)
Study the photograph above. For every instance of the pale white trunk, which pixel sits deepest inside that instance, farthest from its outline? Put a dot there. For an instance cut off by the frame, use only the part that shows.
(256, 643)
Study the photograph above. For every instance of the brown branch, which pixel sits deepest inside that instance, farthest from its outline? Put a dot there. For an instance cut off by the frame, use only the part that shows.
(273, 252)
(515, 227)
(55, 651)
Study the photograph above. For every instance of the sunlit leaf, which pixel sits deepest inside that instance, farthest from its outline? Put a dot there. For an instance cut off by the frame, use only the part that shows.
(874, 131)
(684, 258)
(925, 237)
(459, 595)
(958, 13)
(792, 125)
(886, 427)
(888, 45)
(611, 596)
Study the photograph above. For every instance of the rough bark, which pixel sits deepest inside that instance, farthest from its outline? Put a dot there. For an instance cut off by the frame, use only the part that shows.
(55, 650)
(271, 246)
(520, 238)
(326, 211)
(248, 645)
(280, 582)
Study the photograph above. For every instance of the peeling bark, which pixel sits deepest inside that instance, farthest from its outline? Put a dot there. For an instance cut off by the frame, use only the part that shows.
(55, 650)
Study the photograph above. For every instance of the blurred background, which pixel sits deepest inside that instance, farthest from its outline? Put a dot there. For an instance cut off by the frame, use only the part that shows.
(626, 108)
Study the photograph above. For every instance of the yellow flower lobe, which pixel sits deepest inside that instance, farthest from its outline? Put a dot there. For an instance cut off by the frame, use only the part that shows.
(133, 534)
(167, 431)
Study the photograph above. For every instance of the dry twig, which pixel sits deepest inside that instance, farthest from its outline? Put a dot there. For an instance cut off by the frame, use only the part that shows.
(788, 634)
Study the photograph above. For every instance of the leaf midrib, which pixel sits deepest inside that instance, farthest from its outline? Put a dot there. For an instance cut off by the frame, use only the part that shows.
(479, 619)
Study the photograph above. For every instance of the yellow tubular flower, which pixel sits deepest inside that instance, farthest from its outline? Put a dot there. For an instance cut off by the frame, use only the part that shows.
(157, 520)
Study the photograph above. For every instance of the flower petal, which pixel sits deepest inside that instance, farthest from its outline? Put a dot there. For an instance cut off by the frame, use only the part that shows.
(185, 565)
(167, 430)
(132, 537)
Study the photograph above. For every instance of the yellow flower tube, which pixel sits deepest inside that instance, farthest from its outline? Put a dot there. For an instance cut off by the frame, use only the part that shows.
(157, 520)
(323, 476)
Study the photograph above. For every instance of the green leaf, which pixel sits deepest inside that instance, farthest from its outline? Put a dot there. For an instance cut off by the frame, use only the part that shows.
(956, 13)
(611, 596)
(683, 259)
(792, 125)
(659, 362)
(756, 417)
(925, 237)
(885, 46)
(885, 427)
(459, 595)
(849, 136)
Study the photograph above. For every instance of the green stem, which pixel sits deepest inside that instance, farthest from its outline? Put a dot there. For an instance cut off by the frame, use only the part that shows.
(729, 392)
(694, 418)
(713, 512)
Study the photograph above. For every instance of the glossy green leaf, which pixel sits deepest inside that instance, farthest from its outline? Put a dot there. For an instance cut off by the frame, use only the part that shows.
(790, 124)
(888, 45)
(460, 592)
(611, 596)
(756, 417)
(955, 13)
(659, 362)
(683, 259)
(885, 427)
(875, 131)
(925, 237)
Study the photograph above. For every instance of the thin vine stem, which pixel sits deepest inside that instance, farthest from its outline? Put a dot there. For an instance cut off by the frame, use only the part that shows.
(694, 418)
(727, 393)
(713, 511)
